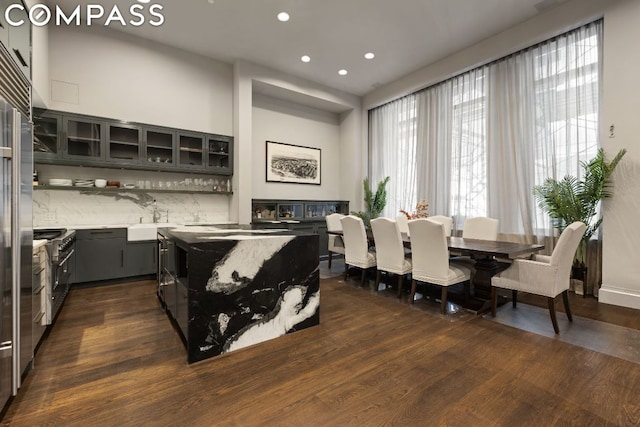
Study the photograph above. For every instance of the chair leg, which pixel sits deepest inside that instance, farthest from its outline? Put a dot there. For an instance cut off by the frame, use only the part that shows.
(443, 300)
(400, 283)
(494, 301)
(330, 259)
(552, 312)
(364, 274)
(413, 291)
(514, 298)
(565, 300)
(378, 279)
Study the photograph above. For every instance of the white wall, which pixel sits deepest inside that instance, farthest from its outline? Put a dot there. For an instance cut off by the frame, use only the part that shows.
(246, 76)
(107, 73)
(286, 122)
(621, 270)
(555, 21)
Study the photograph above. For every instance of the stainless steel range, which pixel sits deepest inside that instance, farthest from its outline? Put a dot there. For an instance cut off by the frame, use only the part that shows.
(61, 249)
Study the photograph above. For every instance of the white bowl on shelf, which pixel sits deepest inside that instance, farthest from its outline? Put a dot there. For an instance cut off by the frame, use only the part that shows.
(101, 183)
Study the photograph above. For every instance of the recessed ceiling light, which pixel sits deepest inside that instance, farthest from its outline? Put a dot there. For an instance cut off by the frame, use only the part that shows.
(305, 58)
(343, 72)
(144, 1)
(211, 1)
(369, 55)
(283, 17)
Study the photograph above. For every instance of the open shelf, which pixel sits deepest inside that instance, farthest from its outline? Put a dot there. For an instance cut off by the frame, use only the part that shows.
(128, 190)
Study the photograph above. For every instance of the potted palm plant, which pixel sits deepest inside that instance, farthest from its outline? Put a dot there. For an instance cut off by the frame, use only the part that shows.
(571, 199)
(374, 203)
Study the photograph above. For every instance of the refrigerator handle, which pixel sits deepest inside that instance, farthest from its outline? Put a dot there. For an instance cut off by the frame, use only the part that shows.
(15, 238)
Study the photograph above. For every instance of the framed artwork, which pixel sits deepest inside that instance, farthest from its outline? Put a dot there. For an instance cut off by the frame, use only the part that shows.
(292, 163)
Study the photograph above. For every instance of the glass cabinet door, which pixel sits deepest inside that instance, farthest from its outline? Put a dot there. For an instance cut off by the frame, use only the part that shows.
(123, 144)
(315, 210)
(47, 128)
(84, 139)
(159, 147)
(190, 150)
(266, 210)
(337, 207)
(291, 211)
(219, 153)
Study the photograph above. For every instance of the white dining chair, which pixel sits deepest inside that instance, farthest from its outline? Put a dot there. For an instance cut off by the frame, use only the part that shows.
(482, 228)
(335, 243)
(356, 246)
(446, 220)
(403, 224)
(548, 276)
(430, 259)
(390, 254)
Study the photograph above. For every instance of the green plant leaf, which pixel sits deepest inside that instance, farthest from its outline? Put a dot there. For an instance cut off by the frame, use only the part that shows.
(570, 199)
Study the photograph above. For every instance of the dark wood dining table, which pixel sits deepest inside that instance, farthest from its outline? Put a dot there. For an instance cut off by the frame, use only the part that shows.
(486, 254)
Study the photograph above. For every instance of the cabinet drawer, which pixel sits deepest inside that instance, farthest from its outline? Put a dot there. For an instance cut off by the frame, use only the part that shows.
(102, 233)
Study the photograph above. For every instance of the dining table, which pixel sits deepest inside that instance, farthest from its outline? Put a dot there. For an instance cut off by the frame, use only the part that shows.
(491, 256)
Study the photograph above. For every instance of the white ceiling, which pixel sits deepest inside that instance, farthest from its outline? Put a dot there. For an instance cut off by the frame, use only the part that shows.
(405, 35)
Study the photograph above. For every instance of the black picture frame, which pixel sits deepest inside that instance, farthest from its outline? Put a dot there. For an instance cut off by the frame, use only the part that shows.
(288, 163)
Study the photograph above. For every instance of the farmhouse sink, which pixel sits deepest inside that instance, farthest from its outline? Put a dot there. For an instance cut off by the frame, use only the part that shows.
(142, 232)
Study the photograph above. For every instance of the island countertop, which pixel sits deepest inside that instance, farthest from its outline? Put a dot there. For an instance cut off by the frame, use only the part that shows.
(230, 287)
(202, 234)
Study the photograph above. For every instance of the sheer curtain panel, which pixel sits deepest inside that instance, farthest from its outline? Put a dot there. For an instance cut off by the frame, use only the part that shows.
(477, 144)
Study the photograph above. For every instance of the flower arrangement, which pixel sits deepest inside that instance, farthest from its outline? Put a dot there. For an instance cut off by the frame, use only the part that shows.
(420, 212)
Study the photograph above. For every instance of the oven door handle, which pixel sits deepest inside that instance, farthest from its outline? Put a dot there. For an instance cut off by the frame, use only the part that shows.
(66, 258)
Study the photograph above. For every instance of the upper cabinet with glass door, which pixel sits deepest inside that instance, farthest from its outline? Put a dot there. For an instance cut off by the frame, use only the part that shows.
(159, 147)
(124, 143)
(75, 139)
(190, 150)
(84, 139)
(220, 154)
(47, 129)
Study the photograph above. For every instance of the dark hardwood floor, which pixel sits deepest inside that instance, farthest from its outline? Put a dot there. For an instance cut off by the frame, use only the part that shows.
(114, 359)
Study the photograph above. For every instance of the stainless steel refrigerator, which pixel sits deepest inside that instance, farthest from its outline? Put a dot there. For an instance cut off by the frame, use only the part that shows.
(16, 246)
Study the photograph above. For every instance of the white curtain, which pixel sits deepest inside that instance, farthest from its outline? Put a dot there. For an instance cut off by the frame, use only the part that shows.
(477, 144)
(392, 130)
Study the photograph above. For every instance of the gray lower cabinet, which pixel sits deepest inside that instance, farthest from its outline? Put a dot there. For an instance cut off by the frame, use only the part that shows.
(182, 307)
(100, 254)
(142, 258)
(170, 296)
(319, 228)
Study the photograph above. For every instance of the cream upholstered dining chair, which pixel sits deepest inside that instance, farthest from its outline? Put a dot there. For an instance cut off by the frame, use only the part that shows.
(542, 275)
(482, 228)
(430, 258)
(446, 220)
(335, 243)
(390, 255)
(356, 246)
(403, 224)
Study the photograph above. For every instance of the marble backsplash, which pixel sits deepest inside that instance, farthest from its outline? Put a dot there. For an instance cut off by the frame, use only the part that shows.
(52, 208)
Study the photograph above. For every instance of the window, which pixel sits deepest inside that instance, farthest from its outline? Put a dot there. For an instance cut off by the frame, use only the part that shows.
(476, 144)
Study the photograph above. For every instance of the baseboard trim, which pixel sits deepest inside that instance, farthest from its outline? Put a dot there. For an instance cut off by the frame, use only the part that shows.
(620, 297)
